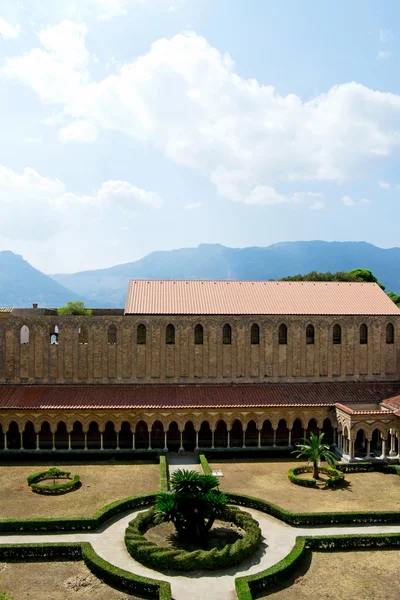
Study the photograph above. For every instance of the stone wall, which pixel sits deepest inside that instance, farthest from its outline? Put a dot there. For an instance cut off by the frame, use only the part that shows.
(97, 361)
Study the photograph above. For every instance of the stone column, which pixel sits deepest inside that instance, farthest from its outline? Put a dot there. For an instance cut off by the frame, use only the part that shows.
(244, 439)
(383, 455)
(212, 440)
(334, 437)
(101, 441)
(133, 441)
(117, 448)
(54, 442)
(368, 455)
(228, 445)
(165, 442)
(304, 432)
(259, 439)
(37, 442)
(290, 438)
(351, 448)
(21, 438)
(392, 444)
(274, 442)
(197, 441)
(5, 441)
(85, 434)
(149, 448)
(69, 441)
(181, 448)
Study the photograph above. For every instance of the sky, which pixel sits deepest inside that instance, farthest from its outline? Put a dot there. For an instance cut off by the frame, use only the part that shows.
(128, 126)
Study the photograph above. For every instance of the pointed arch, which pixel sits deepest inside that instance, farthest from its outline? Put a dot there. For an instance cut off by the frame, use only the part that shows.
(255, 334)
(390, 333)
(363, 334)
(112, 335)
(236, 434)
(24, 334)
(282, 334)
(53, 334)
(83, 334)
(61, 436)
(170, 334)
(227, 334)
(337, 334)
(141, 334)
(205, 435)
(198, 334)
(310, 334)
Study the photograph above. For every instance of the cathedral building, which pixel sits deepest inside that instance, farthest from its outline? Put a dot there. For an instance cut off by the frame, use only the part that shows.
(191, 365)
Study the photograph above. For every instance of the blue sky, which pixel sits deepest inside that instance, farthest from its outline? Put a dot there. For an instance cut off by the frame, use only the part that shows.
(128, 126)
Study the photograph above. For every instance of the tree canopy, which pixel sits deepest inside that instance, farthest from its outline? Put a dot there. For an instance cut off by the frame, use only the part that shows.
(315, 451)
(74, 308)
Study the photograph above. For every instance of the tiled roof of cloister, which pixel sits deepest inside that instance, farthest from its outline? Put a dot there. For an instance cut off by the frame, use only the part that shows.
(257, 298)
(65, 397)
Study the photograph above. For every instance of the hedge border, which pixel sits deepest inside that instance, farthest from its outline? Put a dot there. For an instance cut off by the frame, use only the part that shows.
(164, 479)
(250, 586)
(301, 519)
(336, 477)
(204, 464)
(124, 581)
(57, 488)
(162, 558)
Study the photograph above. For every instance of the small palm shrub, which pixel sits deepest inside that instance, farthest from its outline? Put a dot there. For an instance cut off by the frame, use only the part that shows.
(315, 451)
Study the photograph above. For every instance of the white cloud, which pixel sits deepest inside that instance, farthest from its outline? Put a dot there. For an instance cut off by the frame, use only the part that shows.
(365, 201)
(385, 35)
(192, 206)
(317, 205)
(383, 54)
(186, 99)
(7, 31)
(35, 208)
(384, 185)
(347, 201)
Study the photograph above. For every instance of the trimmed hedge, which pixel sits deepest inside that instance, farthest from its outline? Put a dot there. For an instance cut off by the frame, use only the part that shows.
(55, 488)
(336, 478)
(204, 464)
(78, 523)
(250, 587)
(164, 483)
(162, 558)
(115, 577)
(366, 467)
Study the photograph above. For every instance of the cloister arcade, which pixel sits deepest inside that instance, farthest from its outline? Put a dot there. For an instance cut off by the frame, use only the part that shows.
(158, 433)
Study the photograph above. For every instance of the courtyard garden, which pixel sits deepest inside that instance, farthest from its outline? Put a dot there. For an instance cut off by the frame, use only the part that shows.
(101, 485)
(269, 481)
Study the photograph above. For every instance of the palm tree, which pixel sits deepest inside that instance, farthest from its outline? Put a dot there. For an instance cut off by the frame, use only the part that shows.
(315, 451)
(193, 504)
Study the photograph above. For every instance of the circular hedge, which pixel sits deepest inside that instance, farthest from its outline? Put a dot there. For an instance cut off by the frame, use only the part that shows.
(336, 478)
(72, 484)
(164, 559)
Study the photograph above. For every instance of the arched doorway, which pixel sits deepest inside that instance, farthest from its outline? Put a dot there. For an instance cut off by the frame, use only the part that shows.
(109, 436)
(173, 437)
(251, 439)
(45, 437)
(327, 430)
(142, 436)
(360, 443)
(157, 435)
(189, 436)
(125, 436)
(282, 433)
(77, 436)
(205, 435)
(13, 437)
(61, 436)
(297, 432)
(312, 428)
(221, 435)
(29, 436)
(267, 433)
(93, 436)
(236, 434)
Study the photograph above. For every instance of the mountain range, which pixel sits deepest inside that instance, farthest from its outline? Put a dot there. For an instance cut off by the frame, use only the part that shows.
(21, 284)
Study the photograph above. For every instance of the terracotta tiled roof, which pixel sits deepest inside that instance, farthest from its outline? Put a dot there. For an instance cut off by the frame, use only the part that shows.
(257, 298)
(191, 396)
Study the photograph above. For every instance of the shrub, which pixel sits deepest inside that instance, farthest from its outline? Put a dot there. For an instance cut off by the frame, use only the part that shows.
(204, 464)
(55, 488)
(336, 477)
(161, 558)
(74, 308)
(164, 485)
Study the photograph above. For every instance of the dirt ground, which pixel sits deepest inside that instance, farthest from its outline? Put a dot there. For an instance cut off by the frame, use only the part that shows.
(222, 533)
(101, 484)
(268, 480)
(54, 581)
(363, 575)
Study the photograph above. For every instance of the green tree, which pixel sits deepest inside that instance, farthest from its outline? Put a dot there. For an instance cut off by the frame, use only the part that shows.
(74, 308)
(54, 472)
(395, 298)
(366, 275)
(315, 451)
(193, 504)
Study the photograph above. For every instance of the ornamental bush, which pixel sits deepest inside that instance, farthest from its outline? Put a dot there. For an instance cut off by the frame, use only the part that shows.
(162, 558)
(336, 478)
(55, 488)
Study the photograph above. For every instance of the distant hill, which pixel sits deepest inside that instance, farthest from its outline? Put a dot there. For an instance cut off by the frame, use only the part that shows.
(107, 287)
(21, 284)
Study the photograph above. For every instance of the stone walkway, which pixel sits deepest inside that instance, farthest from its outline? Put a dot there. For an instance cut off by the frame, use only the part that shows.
(190, 462)
(279, 539)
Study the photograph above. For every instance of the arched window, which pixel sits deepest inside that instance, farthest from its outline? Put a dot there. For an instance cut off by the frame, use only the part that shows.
(282, 334)
(198, 334)
(83, 334)
(310, 334)
(227, 334)
(389, 333)
(170, 334)
(112, 335)
(53, 334)
(363, 334)
(255, 334)
(337, 334)
(24, 335)
(141, 334)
